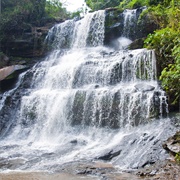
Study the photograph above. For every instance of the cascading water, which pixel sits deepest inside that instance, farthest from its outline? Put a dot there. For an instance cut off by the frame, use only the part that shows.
(84, 102)
(129, 22)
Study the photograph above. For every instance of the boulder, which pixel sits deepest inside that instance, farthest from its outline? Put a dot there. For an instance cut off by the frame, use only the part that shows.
(9, 75)
(172, 144)
(144, 87)
(9, 70)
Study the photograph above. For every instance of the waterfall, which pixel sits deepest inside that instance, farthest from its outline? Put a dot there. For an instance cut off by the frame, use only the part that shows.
(83, 101)
(89, 31)
(129, 22)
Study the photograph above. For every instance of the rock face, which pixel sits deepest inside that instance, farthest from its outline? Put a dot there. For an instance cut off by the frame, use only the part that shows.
(4, 60)
(29, 45)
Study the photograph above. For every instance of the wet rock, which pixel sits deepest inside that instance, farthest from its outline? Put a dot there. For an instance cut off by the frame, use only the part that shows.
(144, 87)
(110, 155)
(137, 44)
(131, 55)
(96, 86)
(172, 145)
(74, 141)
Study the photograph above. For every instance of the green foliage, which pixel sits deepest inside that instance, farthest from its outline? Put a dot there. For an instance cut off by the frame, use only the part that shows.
(163, 42)
(131, 4)
(102, 4)
(166, 42)
(170, 78)
(177, 158)
(32, 11)
(19, 16)
(54, 9)
(76, 14)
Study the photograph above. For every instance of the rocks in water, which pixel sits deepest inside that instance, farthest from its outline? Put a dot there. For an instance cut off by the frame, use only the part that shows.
(144, 87)
(74, 141)
(110, 155)
(172, 145)
(96, 86)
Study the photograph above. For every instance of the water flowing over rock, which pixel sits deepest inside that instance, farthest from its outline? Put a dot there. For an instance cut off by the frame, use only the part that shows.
(84, 102)
(127, 24)
(87, 32)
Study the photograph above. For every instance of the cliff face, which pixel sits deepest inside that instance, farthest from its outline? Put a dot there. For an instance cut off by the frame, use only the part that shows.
(27, 44)
(23, 48)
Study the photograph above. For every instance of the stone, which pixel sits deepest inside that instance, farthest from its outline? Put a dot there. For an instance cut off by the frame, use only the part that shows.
(172, 145)
(144, 87)
(9, 70)
(110, 155)
(4, 60)
(9, 76)
(137, 44)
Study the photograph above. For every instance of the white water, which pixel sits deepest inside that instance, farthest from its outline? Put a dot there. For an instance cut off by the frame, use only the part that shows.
(85, 102)
(129, 21)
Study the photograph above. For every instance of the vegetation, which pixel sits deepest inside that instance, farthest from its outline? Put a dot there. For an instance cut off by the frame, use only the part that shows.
(54, 9)
(177, 158)
(102, 4)
(18, 16)
(166, 42)
(131, 4)
(19, 20)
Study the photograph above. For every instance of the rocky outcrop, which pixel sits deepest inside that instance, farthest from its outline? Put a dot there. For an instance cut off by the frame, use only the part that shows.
(9, 75)
(29, 44)
(144, 87)
(172, 145)
(9, 70)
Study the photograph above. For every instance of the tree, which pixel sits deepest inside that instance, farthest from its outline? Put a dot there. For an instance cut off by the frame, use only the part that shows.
(54, 9)
(102, 4)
